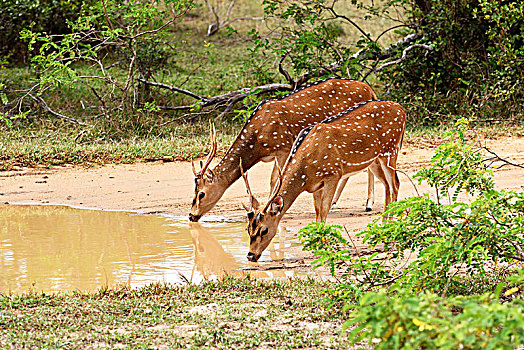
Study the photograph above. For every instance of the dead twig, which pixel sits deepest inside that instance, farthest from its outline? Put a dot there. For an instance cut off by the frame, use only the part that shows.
(497, 158)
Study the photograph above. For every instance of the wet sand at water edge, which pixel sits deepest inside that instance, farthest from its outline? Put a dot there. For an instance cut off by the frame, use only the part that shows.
(168, 188)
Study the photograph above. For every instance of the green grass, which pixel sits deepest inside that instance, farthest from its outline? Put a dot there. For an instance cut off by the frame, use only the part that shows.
(60, 144)
(234, 313)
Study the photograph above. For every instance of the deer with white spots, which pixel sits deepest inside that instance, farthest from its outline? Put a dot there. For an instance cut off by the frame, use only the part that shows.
(367, 136)
(269, 134)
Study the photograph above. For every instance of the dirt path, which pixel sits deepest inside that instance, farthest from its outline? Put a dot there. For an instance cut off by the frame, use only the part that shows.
(168, 187)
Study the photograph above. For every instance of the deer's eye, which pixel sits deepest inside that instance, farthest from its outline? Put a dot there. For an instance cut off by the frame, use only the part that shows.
(264, 231)
(201, 195)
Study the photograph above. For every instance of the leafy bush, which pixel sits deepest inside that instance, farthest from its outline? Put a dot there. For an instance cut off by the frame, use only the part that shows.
(427, 250)
(464, 57)
(429, 321)
(106, 49)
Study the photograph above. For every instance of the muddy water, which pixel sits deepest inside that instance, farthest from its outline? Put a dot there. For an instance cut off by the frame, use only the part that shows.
(58, 248)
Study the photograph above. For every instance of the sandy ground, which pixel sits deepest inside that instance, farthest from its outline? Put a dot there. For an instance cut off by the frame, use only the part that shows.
(168, 188)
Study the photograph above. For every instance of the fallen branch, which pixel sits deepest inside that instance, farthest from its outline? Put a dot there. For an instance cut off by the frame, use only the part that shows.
(227, 98)
(172, 88)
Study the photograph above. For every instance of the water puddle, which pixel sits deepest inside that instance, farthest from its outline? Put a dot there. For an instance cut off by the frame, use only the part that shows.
(58, 248)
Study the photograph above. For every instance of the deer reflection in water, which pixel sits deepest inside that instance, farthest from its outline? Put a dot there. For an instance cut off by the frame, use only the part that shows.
(212, 260)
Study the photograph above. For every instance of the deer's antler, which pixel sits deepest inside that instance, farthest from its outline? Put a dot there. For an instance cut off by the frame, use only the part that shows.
(252, 199)
(275, 189)
(213, 151)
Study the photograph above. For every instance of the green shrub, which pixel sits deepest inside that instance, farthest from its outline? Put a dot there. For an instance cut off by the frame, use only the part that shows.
(428, 249)
(425, 320)
(471, 61)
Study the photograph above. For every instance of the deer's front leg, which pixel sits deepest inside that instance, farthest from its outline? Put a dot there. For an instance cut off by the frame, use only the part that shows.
(341, 186)
(328, 192)
(317, 201)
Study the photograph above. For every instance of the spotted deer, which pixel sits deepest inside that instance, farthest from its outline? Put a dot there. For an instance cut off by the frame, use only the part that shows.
(366, 136)
(269, 133)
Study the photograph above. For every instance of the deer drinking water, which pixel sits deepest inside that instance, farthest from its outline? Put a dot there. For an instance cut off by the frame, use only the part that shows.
(269, 133)
(367, 136)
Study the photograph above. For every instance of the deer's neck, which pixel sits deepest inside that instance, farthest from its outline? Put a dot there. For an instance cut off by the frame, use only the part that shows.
(245, 148)
(293, 184)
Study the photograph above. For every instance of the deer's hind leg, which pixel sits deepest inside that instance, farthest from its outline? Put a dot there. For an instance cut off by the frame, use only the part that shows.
(371, 191)
(317, 202)
(340, 188)
(377, 170)
(387, 165)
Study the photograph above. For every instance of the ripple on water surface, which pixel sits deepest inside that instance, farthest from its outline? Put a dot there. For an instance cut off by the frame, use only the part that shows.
(58, 248)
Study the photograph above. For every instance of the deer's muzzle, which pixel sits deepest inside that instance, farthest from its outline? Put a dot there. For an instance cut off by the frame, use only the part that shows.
(252, 257)
(194, 218)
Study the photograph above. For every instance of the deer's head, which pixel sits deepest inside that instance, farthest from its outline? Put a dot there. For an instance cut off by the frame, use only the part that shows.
(262, 221)
(207, 192)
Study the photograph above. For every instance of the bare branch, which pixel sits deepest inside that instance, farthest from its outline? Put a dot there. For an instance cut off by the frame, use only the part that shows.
(228, 12)
(227, 98)
(172, 88)
(107, 16)
(230, 106)
(404, 55)
(152, 31)
(129, 72)
(225, 24)
(389, 29)
(284, 72)
(216, 24)
(61, 116)
(174, 108)
(498, 158)
(347, 19)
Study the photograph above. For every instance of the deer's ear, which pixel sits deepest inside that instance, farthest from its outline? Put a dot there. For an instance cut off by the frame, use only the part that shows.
(195, 172)
(211, 176)
(276, 205)
(250, 215)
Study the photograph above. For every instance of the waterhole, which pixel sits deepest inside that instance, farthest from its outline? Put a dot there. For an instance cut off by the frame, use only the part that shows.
(58, 248)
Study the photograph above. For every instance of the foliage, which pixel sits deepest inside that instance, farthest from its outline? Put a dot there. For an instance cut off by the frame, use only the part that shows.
(427, 249)
(328, 244)
(425, 320)
(121, 42)
(48, 16)
(312, 35)
(476, 67)
(466, 58)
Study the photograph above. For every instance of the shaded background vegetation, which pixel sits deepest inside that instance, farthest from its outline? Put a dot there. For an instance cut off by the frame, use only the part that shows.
(85, 72)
